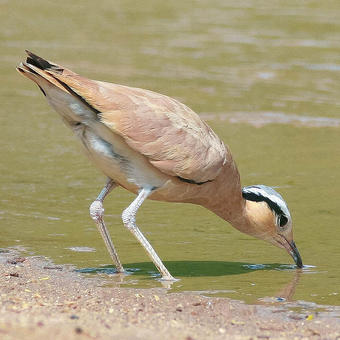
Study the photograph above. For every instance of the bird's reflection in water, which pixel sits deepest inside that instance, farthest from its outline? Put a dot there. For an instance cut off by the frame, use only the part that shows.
(286, 293)
(143, 275)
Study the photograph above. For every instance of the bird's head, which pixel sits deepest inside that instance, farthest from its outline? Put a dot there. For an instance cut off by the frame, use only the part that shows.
(268, 218)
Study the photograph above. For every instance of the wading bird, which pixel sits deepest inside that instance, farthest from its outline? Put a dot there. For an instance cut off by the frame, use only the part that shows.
(157, 148)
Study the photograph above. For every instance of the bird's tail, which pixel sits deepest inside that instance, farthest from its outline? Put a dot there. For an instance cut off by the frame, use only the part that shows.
(41, 71)
(50, 77)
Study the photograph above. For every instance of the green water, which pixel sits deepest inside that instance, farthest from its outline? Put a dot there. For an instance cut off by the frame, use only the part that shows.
(264, 74)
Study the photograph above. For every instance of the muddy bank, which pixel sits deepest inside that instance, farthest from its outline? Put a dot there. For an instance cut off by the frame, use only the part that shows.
(40, 300)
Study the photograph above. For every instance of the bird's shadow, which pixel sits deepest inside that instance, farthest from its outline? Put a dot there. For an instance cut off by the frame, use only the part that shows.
(181, 269)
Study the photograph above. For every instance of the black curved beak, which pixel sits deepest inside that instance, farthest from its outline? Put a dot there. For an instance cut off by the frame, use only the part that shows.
(295, 254)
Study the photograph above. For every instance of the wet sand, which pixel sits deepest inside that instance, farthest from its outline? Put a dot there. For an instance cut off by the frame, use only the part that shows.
(41, 300)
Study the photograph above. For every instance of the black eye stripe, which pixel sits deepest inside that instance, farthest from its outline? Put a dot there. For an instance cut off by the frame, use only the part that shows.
(262, 193)
(250, 196)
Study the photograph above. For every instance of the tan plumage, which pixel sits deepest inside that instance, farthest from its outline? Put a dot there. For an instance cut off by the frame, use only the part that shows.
(152, 144)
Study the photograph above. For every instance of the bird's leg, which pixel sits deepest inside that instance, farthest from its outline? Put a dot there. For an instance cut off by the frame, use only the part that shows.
(96, 212)
(129, 220)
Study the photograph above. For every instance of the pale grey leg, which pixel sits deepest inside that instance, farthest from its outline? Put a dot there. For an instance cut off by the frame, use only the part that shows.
(96, 212)
(129, 220)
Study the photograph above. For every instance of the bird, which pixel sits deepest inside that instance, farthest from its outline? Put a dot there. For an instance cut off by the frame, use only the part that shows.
(157, 148)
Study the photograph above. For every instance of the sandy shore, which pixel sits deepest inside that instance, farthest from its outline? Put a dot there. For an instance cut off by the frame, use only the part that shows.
(40, 300)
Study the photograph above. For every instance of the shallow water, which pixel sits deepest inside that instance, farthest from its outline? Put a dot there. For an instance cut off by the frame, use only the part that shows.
(265, 75)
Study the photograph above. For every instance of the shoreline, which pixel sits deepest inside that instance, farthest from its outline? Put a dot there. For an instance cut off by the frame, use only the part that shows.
(38, 299)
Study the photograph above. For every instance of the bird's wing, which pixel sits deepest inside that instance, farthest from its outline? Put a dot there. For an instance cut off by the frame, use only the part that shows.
(169, 134)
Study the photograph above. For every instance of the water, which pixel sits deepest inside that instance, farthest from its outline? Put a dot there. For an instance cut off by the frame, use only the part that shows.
(265, 75)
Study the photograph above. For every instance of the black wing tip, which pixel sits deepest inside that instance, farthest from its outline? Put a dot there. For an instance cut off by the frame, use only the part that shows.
(192, 181)
(41, 63)
(29, 53)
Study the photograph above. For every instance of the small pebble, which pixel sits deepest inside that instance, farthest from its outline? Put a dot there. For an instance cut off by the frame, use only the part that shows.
(16, 260)
(179, 308)
(54, 267)
(78, 330)
(14, 274)
(280, 299)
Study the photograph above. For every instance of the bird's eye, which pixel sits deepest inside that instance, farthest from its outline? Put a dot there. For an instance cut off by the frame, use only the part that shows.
(282, 220)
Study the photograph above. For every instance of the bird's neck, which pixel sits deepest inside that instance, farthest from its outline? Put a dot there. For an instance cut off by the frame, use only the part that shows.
(235, 210)
(246, 216)
(226, 199)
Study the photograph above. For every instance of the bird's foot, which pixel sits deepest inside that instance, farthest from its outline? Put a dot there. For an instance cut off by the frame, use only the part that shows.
(167, 282)
(168, 278)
